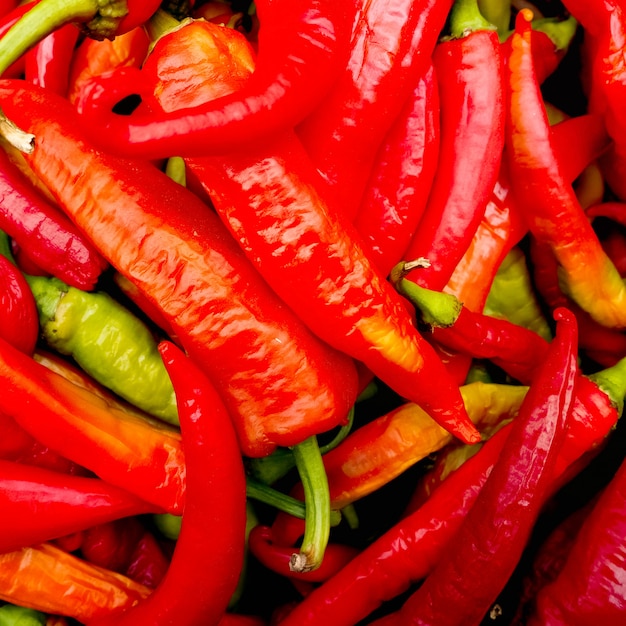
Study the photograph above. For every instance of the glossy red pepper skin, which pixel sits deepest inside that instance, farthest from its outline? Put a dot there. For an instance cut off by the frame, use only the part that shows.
(552, 210)
(19, 320)
(41, 504)
(492, 537)
(140, 456)
(293, 75)
(590, 587)
(16, 70)
(51, 239)
(471, 87)
(148, 563)
(408, 551)
(391, 46)
(397, 191)
(48, 63)
(214, 519)
(290, 385)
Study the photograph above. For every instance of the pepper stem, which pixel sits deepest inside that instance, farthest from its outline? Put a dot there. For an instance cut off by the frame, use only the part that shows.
(560, 32)
(612, 381)
(437, 309)
(466, 18)
(497, 12)
(317, 501)
(15, 136)
(49, 15)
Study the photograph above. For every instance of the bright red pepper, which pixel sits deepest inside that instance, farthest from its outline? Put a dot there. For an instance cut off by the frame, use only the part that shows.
(391, 47)
(289, 385)
(310, 255)
(590, 587)
(48, 63)
(552, 210)
(40, 504)
(214, 519)
(488, 545)
(397, 191)
(469, 71)
(302, 48)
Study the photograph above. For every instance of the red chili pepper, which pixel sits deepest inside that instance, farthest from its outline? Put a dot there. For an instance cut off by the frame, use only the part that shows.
(302, 47)
(590, 587)
(39, 504)
(148, 562)
(143, 457)
(391, 47)
(49, 236)
(48, 63)
(396, 193)
(310, 255)
(552, 210)
(214, 519)
(469, 71)
(407, 552)
(491, 539)
(19, 324)
(277, 557)
(289, 385)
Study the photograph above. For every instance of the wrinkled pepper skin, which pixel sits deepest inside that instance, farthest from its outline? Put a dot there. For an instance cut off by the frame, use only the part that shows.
(173, 248)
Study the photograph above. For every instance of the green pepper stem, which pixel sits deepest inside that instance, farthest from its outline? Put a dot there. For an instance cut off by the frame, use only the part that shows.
(437, 309)
(497, 12)
(612, 381)
(317, 506)
(466, 18)
(161, 23)
(561, 32)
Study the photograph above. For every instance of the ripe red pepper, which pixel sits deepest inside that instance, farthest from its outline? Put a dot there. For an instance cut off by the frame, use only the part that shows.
(552, 210)
(289, 385)
(302, 48)
(492, 537)
(51, 239)
(310, 255)
(48, 63)
(469, 71)
(408, 551)
(40, 504)
(590, 587)
(214, 519)
(391, 47)
(397, 191)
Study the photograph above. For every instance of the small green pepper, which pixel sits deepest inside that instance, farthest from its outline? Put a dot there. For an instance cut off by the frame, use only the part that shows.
(12, 615)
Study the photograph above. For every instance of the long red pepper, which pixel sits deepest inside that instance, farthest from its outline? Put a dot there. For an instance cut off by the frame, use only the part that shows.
(290, 385)
(407, 552)
(397, 191)
(302, 48)
(491, 539)
(590, 587)
(214, 517)
(51, 239)
(551, 208)
(310, 255)
(391, 46)
(469, 71)
(40, 505)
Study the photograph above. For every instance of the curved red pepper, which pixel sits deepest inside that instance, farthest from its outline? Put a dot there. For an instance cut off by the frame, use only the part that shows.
(40, 504)
(289, 384)
(19, 320)
(50, 238)
(397, 191)
(469, 71)
(214, 519)
(492, 537)
(590, 587)
(48, 63)
(391, 46)
(302, 47)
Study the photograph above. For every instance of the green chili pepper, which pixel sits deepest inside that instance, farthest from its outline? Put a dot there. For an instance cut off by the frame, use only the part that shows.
(108, 341)
(12, 615)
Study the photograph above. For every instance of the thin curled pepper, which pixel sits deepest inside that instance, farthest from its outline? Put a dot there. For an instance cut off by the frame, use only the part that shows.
(551, 208)
(214, 517)
(310, 255)
(289, 385)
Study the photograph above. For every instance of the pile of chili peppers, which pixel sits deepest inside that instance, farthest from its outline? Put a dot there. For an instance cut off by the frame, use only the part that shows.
(312, 312)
